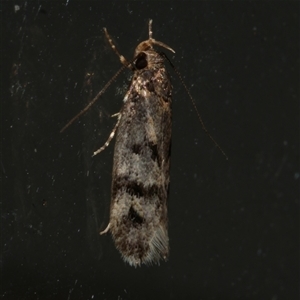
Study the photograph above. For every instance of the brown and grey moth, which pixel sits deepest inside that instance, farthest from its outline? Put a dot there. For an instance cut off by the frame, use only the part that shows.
(141, 164)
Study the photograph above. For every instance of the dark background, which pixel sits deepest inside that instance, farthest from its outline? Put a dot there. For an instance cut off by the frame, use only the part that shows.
(233, 225)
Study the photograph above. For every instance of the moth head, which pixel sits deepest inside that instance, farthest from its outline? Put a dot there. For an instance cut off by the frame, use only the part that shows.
(148, 45)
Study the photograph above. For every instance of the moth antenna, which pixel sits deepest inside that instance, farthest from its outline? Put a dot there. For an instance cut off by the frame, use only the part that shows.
(195, 106)
(125, 63)
(95, 98)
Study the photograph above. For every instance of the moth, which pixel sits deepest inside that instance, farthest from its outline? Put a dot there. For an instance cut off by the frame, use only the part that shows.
(141, 164)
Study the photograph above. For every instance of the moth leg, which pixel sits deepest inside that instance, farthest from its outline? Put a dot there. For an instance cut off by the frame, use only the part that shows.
(115, 115)
(123, 60)
(111, 136)
(105, 230)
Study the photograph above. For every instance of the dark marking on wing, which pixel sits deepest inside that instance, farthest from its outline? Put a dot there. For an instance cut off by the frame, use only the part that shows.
(135, 218)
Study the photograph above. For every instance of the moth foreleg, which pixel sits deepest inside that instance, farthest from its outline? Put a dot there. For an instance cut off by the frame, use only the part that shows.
(111, 136)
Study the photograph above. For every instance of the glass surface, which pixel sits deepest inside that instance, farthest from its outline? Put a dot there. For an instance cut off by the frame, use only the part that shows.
(233, 225)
